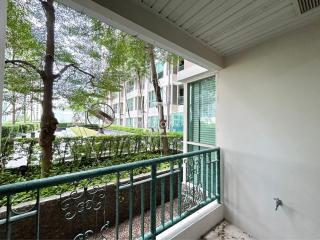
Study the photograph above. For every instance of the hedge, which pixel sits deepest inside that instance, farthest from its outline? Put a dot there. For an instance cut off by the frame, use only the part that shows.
(141, 130)
(83, 148)
(10, 130)
(9, 176)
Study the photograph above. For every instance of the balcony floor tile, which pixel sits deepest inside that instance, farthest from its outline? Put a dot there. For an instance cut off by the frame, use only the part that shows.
(225, 231)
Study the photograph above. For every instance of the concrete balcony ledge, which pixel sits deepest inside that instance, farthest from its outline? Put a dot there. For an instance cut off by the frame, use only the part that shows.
(195, 225)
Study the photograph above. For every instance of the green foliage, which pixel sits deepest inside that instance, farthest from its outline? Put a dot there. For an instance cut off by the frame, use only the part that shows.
(92, 149)
(21, 41)
(128, 129)
(10, 130)
(65, 125)
(20, 80)
(13, 175)
(81, 85)
(126, 54)
(143, 131)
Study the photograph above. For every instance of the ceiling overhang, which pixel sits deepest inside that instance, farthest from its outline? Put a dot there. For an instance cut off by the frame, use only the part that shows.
(205, 31)
(134, 19)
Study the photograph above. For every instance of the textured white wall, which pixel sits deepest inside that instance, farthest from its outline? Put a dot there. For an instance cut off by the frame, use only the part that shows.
(269, 131)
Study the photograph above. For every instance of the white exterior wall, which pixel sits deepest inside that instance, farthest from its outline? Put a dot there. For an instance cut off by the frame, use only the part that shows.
(268, 119)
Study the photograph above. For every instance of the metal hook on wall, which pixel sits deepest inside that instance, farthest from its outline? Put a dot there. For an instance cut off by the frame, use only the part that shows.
(278, 203)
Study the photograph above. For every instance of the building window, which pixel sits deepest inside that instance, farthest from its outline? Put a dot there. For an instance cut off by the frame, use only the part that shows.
(121, 108)
(180, 95)
(139, 123)
(174, 95)
(138, 103)
(114, 95)
(130, 104)
(181, 65)
(153, 122)
(152, 100)
(129, 86)
(159, 68)
(176, 122)
(129, 122)
(202, 111)
(115, 108)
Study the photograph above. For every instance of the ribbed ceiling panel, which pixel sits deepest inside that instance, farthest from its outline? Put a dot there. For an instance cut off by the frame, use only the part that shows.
(231, 25)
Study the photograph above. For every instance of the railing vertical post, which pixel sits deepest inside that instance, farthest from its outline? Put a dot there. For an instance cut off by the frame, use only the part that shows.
(163, 196)
(142, 211)
(153, 201)
(171, 191)
(184, 167)
(204, 172)
(218, 177)
(193, 166)
(8, 216)
(209, 175)
(130, 204)
(38, 214)
(180, 186)
(117, 205)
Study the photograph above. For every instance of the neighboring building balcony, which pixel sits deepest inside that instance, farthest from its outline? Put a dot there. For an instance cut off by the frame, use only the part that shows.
(116, 202)
(180, 100)
(190, 72)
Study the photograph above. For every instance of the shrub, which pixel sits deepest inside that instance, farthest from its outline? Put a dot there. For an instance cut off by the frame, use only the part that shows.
(141, 130)
(10, 130)
(95, 148)
(9, 176)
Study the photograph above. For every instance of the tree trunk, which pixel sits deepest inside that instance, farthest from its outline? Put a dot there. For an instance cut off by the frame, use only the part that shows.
(141, 97)
(169, 95)
(48, 121)
(14, 109)
(155, 82)
(31, 108)
(24, 108)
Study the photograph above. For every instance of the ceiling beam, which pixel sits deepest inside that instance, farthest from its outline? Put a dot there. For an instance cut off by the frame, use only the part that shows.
(135, 19)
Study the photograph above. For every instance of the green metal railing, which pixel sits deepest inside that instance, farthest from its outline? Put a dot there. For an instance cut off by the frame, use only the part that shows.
(113, 202)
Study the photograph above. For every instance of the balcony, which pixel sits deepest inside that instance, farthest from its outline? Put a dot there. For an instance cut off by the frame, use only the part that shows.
(113, 202)
(264, 54)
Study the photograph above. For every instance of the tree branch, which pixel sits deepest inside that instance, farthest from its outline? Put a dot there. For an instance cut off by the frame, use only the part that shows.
(66, 67)
(23, 64)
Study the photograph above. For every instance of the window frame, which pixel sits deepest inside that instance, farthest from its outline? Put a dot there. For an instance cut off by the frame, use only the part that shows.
(188, 142)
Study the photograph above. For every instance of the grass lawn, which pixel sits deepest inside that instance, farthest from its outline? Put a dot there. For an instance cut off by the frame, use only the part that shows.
(83, 132)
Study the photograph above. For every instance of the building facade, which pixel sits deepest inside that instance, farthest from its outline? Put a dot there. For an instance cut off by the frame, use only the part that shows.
(136, 105)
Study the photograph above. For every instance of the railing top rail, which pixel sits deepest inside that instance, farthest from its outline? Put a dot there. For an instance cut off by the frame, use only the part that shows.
(71, 177)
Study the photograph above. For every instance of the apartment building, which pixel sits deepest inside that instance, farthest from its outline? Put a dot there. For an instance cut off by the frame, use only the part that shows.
(136, 104)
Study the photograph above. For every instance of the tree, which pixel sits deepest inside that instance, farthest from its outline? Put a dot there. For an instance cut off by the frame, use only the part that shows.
(57, 67)
(157, 90)
(128, 57)
(20, 82)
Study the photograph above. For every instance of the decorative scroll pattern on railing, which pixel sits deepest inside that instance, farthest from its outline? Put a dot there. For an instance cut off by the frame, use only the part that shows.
(79, 201)
(132, 206)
